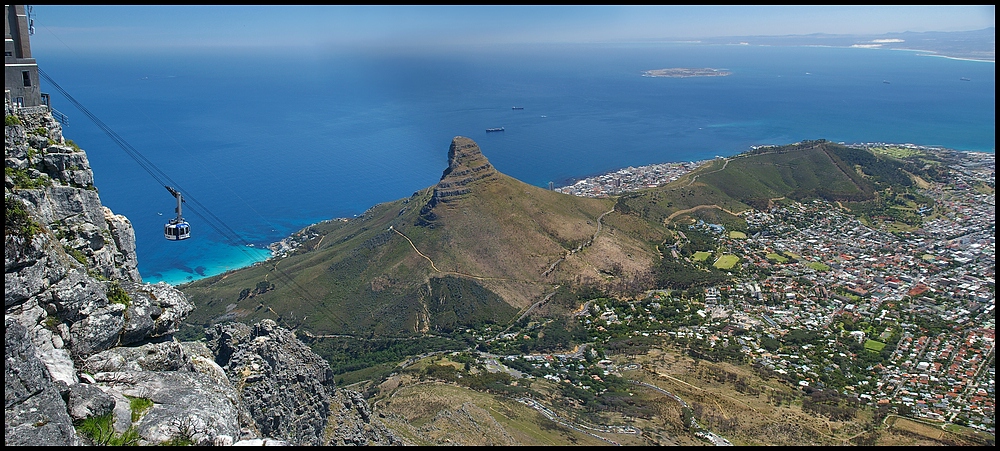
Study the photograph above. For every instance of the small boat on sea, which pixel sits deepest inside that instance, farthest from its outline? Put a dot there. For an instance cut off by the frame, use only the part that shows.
(495, 129)
(964, 79)
(885, 81)
(517, 107)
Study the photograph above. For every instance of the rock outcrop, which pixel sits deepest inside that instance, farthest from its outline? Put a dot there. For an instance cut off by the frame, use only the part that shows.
(54, 176)
(34, 411)
(467, 166)
(289, 390)
(88, 343)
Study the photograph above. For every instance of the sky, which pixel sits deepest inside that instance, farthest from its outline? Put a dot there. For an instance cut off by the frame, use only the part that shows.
(150, 27)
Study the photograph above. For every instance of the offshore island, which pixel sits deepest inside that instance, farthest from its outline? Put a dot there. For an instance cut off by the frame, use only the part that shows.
(683, 72)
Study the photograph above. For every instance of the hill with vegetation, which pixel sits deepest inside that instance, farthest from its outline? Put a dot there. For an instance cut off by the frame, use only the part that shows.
(481, 251)
(485, 311)
(867, 183)
(757, 178)
(479, 247)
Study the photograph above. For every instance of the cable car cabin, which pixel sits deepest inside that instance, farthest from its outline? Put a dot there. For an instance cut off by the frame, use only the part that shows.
(176, 231)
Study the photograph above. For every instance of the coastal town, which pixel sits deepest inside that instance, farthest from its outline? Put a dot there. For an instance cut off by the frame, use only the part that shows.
(629, 179)
(902, 321)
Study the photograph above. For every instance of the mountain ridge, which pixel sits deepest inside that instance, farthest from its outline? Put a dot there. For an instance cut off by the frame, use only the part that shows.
(466, 165)
(479, 228)
(516, 240)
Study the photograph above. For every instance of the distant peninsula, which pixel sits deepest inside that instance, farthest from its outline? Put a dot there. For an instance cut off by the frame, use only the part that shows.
(979, 45)
(683, 72)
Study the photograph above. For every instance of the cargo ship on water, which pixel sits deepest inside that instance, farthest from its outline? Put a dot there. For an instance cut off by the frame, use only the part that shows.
(495, 129)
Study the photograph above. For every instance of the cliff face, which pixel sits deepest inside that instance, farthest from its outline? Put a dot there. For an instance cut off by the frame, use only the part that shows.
(86, 341)
(289, 390)
(467, 167)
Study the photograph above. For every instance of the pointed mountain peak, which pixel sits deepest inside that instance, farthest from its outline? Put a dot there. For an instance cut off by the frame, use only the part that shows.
(467, 167)
(465, 159)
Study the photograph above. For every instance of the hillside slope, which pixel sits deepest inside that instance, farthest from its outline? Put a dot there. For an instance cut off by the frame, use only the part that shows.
(480, 247)
(720, 190)
(477, 247)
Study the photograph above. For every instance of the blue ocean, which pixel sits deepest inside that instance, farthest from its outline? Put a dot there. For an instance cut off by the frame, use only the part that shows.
(264, 145)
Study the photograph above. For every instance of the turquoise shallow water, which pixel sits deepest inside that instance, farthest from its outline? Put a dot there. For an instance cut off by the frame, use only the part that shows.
(264, 146)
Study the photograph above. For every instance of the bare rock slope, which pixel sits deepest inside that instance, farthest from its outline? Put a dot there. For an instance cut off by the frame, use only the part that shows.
(86, 341)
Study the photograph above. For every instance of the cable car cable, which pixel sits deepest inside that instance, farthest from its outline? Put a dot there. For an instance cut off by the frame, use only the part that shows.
(148, 166)
(232, 236)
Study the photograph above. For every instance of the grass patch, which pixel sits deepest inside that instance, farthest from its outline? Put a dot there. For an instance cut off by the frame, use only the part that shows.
(22, 180)
(118, 295)
(17, 220)
(726, 261)
(818, 266)
(101, 430)
(139, 406)
(374, 372)
(895, 152)
(77, 254)
(933, 432)
(777, 258)
(874, 346)
(701, 256)
(737, 235)
(421, 404)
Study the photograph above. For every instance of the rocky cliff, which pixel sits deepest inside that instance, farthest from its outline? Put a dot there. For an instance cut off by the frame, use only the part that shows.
(467, 166)
(89, 352)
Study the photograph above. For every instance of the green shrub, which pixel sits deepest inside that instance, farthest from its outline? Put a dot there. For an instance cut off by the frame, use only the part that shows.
(139, 406)
(11, 120)
(17, 220)
(69, 142)
(101, 430)
(41, 131)
(22, 180)
(52, 323)
(117, 294)
(76, 254)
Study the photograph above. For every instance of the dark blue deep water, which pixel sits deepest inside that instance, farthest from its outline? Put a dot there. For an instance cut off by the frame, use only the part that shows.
(268, 144)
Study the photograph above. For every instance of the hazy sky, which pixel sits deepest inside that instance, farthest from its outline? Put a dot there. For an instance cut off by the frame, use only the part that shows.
(82, 28)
